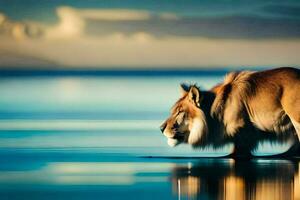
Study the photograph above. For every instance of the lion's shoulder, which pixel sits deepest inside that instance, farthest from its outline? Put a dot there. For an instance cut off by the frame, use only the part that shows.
(228, 105)
(238, 78)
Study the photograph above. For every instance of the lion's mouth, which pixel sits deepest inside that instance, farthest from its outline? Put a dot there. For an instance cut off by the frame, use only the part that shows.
(178, 137)
(174, 141)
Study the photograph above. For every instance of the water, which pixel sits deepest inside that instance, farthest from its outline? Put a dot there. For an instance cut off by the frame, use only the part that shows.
(97, 137)
(92, 112)
(85, 174)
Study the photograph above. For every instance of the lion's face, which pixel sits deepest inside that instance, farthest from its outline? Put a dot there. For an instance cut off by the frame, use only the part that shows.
(187, 123)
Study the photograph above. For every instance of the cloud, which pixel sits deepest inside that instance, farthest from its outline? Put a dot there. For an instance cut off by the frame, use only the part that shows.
(231, 27)
(104, 22)
(70, 25)
(13, 59)
(283, 10)
(19, 30)
(144, 50)
(74, 22)
(114, 38)
(101, 22)
(114, 14)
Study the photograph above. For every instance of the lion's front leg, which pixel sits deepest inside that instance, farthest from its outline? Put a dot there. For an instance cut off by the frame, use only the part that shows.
(241, 148)
(245, 140)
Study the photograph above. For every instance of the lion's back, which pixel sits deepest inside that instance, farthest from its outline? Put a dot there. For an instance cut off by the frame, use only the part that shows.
(258, 96)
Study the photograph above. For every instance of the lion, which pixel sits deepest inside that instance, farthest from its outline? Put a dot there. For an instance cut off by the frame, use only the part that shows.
(246, 107)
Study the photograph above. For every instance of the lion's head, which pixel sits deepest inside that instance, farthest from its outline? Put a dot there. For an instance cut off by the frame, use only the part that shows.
(187, 123)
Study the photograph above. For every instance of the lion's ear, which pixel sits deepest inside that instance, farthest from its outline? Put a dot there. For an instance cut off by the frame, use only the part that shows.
(194, 95)
(184, 88)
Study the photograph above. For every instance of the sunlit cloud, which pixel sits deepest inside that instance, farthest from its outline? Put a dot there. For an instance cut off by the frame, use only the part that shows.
(70, 25)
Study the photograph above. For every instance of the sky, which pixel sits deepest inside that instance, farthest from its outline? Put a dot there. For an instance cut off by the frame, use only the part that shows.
(149, 33)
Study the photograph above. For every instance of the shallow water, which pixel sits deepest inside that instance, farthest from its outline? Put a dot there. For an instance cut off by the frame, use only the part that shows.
(98, 138)
(92, 174)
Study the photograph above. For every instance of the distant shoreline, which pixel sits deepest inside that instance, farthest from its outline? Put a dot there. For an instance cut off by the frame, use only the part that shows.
(106, 72)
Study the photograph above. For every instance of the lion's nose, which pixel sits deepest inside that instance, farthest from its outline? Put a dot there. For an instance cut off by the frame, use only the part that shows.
(163, 127)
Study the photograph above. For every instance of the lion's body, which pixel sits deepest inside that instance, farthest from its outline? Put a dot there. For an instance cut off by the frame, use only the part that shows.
(269, 99)
(246, 107)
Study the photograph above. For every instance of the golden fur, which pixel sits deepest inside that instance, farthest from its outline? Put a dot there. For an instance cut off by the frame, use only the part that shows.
(246, 106)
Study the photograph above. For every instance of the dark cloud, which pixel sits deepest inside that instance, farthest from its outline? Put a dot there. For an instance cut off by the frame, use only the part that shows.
(283, 10)
(239, 27)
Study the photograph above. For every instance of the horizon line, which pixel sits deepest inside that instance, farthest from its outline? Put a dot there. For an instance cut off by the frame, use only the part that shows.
(121, 71)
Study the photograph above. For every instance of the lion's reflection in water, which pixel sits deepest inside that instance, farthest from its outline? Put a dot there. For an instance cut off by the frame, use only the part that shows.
(257, 179)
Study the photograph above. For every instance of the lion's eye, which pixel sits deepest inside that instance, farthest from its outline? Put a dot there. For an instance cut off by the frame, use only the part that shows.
(180, 117)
